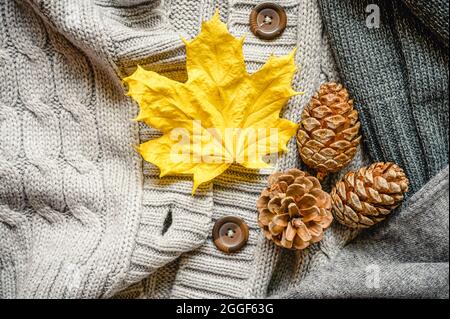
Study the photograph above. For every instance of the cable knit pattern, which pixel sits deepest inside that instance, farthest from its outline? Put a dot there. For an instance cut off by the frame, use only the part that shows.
(58, 230)
(41, 136)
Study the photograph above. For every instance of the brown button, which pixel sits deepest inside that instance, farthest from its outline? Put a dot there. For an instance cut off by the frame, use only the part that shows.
(230, 234)
(268, 20)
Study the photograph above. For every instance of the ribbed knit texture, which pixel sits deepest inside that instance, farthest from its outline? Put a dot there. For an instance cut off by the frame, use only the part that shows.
(398, 75)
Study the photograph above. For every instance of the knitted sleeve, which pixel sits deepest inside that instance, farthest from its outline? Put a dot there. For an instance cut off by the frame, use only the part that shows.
(117, 34)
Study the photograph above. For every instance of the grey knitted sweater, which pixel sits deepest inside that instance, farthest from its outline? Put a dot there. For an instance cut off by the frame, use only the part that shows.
(81, 216)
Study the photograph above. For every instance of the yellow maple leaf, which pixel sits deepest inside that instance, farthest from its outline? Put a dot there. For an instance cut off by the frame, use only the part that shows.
(221, 114)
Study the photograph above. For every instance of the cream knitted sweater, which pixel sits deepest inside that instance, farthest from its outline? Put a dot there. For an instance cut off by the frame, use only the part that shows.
(80, 214)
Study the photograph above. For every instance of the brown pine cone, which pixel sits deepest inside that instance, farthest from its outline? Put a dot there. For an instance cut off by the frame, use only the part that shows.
(294, 210)
(328, 134)
(363, 198)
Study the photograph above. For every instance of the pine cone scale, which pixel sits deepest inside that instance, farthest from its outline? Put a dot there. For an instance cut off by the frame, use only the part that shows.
(290, 232)
(265, 217)
(328, 153)
(303, 232)
(309, 211)
(334, 121)
(311, 123)
(293, 210)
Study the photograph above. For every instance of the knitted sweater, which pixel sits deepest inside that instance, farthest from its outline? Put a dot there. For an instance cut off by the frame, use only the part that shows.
(81, 215)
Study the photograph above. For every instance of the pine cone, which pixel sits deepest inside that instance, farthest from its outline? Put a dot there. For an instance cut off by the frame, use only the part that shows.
(364, 198)
(328, 134)
(294, 210)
